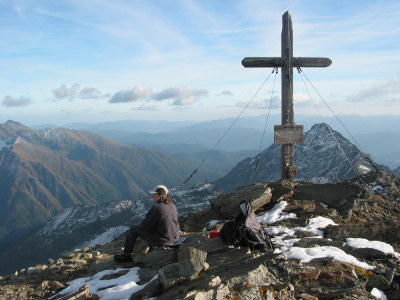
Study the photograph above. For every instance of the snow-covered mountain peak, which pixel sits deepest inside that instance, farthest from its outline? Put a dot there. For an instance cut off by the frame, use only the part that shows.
(325, 156)
(320, 128)
(54, 134)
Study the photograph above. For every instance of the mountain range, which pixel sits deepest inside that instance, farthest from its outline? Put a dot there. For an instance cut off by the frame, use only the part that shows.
(79, 170)
(378, 135)
(46, 171)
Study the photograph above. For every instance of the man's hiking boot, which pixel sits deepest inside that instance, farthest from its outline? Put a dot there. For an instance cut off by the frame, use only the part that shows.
(123, 258)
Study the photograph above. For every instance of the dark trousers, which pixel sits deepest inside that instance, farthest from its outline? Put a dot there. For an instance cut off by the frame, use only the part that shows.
(132, 234)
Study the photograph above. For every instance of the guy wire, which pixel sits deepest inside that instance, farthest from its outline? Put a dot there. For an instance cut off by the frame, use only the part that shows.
(327, 126)
(265, 126)
(226, 132)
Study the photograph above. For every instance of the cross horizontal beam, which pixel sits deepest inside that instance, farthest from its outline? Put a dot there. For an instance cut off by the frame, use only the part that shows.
(272, 62)
(287, 134)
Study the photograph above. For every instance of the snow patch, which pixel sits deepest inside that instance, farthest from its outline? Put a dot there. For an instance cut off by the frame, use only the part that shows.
(318, 223)
(125, 285)
(121, 287)
(305, 254)
(4, 144)
(364, 169)
(53, 134)
(213, 222)
(364, 243)
(308, 254)
(19, 140)
(377, 187)
(58, 220)
(276, 214)
(378, 294)
(314, 225)
(105, 237)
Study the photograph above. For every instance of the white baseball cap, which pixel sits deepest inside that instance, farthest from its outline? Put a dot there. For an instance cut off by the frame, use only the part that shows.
(160, 190)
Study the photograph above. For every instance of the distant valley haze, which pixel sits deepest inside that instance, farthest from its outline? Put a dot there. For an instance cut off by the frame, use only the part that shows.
(377, 135)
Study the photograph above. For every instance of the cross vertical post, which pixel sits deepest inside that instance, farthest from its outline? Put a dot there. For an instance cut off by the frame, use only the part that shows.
(287, 165)
(287, 134)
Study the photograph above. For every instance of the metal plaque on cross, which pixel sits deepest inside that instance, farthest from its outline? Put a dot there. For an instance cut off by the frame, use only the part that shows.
(288, 133)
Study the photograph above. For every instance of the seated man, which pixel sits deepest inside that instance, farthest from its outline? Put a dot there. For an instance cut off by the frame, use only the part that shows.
(159, 227)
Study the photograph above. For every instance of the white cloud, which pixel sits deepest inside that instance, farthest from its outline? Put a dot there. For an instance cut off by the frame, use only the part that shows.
(91, 93)
(191, 44)
(75, 91)
(15, 102)
(185, 101)
(393, 100)
(386, 88)
(300, 99)
(63, 92)
(183, 95)
(139, 92)
(225, 93)
(147, 107)
(262, 104)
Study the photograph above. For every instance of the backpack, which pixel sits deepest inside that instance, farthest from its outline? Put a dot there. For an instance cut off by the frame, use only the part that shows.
(246, 230)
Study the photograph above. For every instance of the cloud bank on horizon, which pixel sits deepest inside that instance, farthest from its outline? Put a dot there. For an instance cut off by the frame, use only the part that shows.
(68, 61)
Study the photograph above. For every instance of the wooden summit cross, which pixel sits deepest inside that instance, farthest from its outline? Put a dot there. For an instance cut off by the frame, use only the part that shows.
(288, 133)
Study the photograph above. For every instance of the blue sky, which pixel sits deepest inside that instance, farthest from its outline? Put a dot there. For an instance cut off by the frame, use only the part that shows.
(95, 61)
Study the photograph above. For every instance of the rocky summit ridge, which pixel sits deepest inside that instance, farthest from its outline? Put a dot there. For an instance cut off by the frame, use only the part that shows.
(331, 219)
